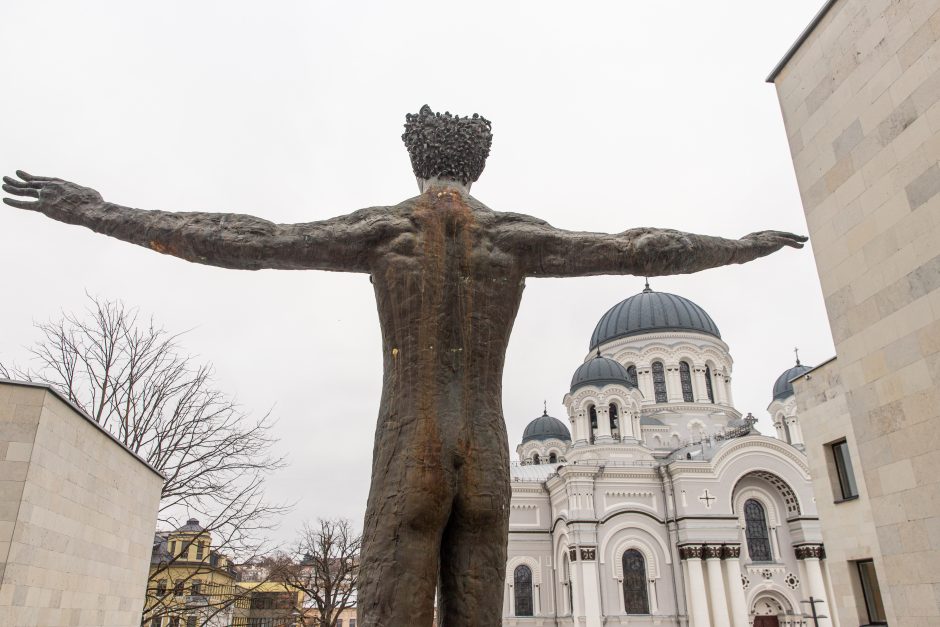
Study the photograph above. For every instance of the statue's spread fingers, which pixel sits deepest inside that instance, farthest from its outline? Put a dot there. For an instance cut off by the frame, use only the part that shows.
(26, 176)
(9, 180)
(21, 191)
(21, 204)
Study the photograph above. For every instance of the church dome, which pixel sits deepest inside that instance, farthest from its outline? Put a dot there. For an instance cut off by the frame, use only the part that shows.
(600, 371)
(782, 386)
(546, 427)
(649, 312)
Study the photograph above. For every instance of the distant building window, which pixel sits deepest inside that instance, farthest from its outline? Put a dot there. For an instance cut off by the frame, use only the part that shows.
(685, 378)
(522, 588)
(178, 589)
(197, 588)
(190, 621)
(755, 529)
(161, 589)
(173, 548)
(157, 621)
(339, 622)
(659, 382)
(352, 622)
(174, 621)
(708, 384)
(871, 592)
(200, 549)
(843, 463)
(552, 458)
(213, 560)
(635, 591)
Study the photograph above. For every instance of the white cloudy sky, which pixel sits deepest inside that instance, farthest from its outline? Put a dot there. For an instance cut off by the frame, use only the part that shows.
(606, 115)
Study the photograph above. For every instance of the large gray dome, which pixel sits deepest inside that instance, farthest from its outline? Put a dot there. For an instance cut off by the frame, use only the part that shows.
(649, 312)
(600, 371)
(546, 427)
(782, 386)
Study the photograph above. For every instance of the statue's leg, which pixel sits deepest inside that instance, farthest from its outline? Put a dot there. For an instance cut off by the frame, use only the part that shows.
(409, 503)
(473, 549)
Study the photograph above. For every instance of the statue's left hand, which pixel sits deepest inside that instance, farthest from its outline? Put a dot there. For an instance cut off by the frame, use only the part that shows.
(55, 198)
(766, 242)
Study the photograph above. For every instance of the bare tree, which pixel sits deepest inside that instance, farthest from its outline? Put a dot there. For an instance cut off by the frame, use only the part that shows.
(325, 566)
(129, 375)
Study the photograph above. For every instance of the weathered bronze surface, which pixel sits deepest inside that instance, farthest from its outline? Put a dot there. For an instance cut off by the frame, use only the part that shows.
(448, 274)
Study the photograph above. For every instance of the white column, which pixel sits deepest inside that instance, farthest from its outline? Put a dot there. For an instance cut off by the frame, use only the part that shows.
(673, 384)
(739, 613)
(718, 388)
(796, 433)
(590, 586)
(729, 397)
(815, 584)
(645, 382)
(651, 593)
(575, 427)
(603, 423)
(698, 384)
(716, 586)
(698, 600)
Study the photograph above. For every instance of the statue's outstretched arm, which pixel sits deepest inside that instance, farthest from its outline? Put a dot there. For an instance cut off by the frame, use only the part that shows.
(217, 239)
(546, 251)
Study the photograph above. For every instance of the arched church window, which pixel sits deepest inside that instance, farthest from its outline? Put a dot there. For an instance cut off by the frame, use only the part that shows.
(755, 530)
(631, 374)
(593, 414)
(659, 382)
(522, 589)
(536, 459)
(635, 590)
(685, 378)
(614, 420)
(708, 384)
(552, 458)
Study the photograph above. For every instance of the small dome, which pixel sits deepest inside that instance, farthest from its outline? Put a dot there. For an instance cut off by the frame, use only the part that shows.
(601, 371)
(192, 525)
(546, 427)
(782, 386)
(649, 312)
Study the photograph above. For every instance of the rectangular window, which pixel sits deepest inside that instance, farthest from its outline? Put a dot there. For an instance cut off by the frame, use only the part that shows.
(161, 589)
(174, 621)
(157, 621)
(197, 588)
(200, 548)
(173, 548)
(352, 622)
(843, 463)
(872, 593)
(190, 621)
(339, 622)
(178, 589)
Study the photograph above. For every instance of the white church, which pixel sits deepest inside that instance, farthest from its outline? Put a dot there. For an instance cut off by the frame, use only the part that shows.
(655, 502)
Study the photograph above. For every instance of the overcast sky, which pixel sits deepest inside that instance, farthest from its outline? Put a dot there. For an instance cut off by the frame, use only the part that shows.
(605, 116)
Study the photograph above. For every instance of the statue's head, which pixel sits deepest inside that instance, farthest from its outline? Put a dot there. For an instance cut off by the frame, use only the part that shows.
(445, 147)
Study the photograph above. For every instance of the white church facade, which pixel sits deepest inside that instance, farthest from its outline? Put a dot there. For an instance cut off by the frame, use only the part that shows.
(654, 502)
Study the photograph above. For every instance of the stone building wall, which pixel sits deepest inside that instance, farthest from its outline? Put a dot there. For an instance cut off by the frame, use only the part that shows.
(860, 97)
(77, 514)
(848, 528)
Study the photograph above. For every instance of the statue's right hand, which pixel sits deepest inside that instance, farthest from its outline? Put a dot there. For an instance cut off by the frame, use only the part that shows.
(56, 198)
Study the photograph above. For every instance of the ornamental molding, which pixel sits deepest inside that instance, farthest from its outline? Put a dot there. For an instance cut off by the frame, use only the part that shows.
(691, 551)
(523, 560)
(731, 551)
(760, 443)
(640, 340)
(810, 551)
(638, 544)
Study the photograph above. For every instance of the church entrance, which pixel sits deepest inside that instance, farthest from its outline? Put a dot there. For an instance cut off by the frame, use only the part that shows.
(766, 621)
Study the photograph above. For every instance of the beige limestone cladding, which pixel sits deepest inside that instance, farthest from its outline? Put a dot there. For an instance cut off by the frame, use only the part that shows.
(860, 98)
(77, 514)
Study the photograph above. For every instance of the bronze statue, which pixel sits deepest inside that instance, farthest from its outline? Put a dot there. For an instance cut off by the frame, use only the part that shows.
(448, 274)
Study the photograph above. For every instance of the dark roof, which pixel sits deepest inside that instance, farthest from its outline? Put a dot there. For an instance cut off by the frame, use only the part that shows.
(546, 427)
(192, 525)
(783, 388)
(650, 311)
(601, 371)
